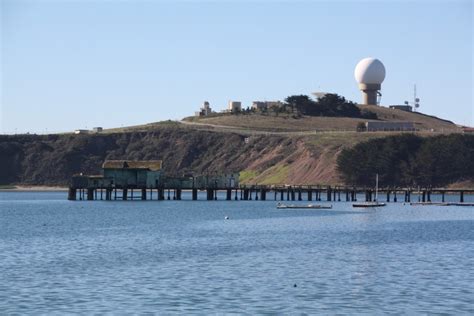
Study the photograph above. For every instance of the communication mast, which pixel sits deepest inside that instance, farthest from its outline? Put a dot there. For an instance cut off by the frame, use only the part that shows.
(416, 100)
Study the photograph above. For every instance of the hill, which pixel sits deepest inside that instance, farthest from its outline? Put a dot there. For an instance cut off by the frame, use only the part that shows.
(266, 149)
(290, 123)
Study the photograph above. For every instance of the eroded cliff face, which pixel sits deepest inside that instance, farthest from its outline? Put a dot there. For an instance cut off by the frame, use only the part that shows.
(53, 159)
(302, 165)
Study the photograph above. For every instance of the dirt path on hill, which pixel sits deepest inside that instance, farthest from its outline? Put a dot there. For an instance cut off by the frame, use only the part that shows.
(248, 131)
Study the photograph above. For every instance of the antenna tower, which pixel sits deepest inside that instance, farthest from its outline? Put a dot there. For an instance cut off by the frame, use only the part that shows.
(416, 101)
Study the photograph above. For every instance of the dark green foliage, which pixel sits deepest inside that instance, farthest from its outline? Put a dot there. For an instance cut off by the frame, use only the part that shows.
(11, 155)
(328, 105)
(300, 103)
(409, 160)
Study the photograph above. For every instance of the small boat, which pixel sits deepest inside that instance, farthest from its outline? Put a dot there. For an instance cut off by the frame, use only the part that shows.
(368, 204)
(461, 204)
(309, 206)
(442, 203)
(430, 203)
(374, 203)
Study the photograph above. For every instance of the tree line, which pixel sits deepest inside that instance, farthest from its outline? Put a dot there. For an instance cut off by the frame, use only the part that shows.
(328, 105)
(409, 160)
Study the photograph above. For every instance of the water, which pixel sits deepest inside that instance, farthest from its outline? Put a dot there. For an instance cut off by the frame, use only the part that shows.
(183, 257)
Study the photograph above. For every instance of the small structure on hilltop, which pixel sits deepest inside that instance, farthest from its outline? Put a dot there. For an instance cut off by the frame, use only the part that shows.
(205, 109)
(81, 131)
(94, 130)
(406, 108)
(234, 106)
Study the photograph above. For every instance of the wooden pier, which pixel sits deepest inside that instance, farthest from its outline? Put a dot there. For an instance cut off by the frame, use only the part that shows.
(265, 192)
(144, 180)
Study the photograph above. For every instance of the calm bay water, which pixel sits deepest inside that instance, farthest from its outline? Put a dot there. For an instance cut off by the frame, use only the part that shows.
(183, 257)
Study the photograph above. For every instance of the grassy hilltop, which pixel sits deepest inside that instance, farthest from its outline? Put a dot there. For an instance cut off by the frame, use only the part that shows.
(267, 149)
(289, 123)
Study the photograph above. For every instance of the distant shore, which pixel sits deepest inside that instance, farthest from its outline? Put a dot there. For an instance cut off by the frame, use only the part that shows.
(31, 188)
(45, 188)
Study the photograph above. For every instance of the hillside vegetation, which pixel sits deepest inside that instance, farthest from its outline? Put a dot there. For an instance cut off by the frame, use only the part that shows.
(409, 160)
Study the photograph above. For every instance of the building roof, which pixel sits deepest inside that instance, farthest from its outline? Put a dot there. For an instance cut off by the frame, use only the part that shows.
(152, 165)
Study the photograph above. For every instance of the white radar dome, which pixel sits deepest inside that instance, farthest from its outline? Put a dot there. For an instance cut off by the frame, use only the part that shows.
(369, 71)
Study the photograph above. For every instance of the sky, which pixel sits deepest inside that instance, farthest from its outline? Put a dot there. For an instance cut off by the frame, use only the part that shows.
(68, 64)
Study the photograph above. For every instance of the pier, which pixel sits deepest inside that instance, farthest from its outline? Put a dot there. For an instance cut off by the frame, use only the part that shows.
(128, 180)
(266, 192)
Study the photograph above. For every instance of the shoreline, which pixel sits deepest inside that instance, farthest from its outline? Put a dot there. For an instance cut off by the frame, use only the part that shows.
(34, 188)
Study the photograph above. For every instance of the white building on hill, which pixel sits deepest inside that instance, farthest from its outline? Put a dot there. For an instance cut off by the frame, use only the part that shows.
(205, 109)
(234, 106)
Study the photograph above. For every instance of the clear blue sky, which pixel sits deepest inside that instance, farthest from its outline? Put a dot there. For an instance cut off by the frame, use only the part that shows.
(78, 64)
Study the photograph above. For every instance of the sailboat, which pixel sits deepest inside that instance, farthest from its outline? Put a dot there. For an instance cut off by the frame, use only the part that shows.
(374, 203)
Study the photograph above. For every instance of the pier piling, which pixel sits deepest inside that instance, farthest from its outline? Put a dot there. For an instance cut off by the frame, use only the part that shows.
(71, 195)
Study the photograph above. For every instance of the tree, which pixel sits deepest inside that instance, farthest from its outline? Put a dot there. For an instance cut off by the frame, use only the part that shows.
(327, 105)
(300, 103)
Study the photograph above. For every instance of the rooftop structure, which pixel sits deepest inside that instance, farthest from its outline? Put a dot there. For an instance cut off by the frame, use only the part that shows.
(81, 131)
(152, 165)
(406, 108)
